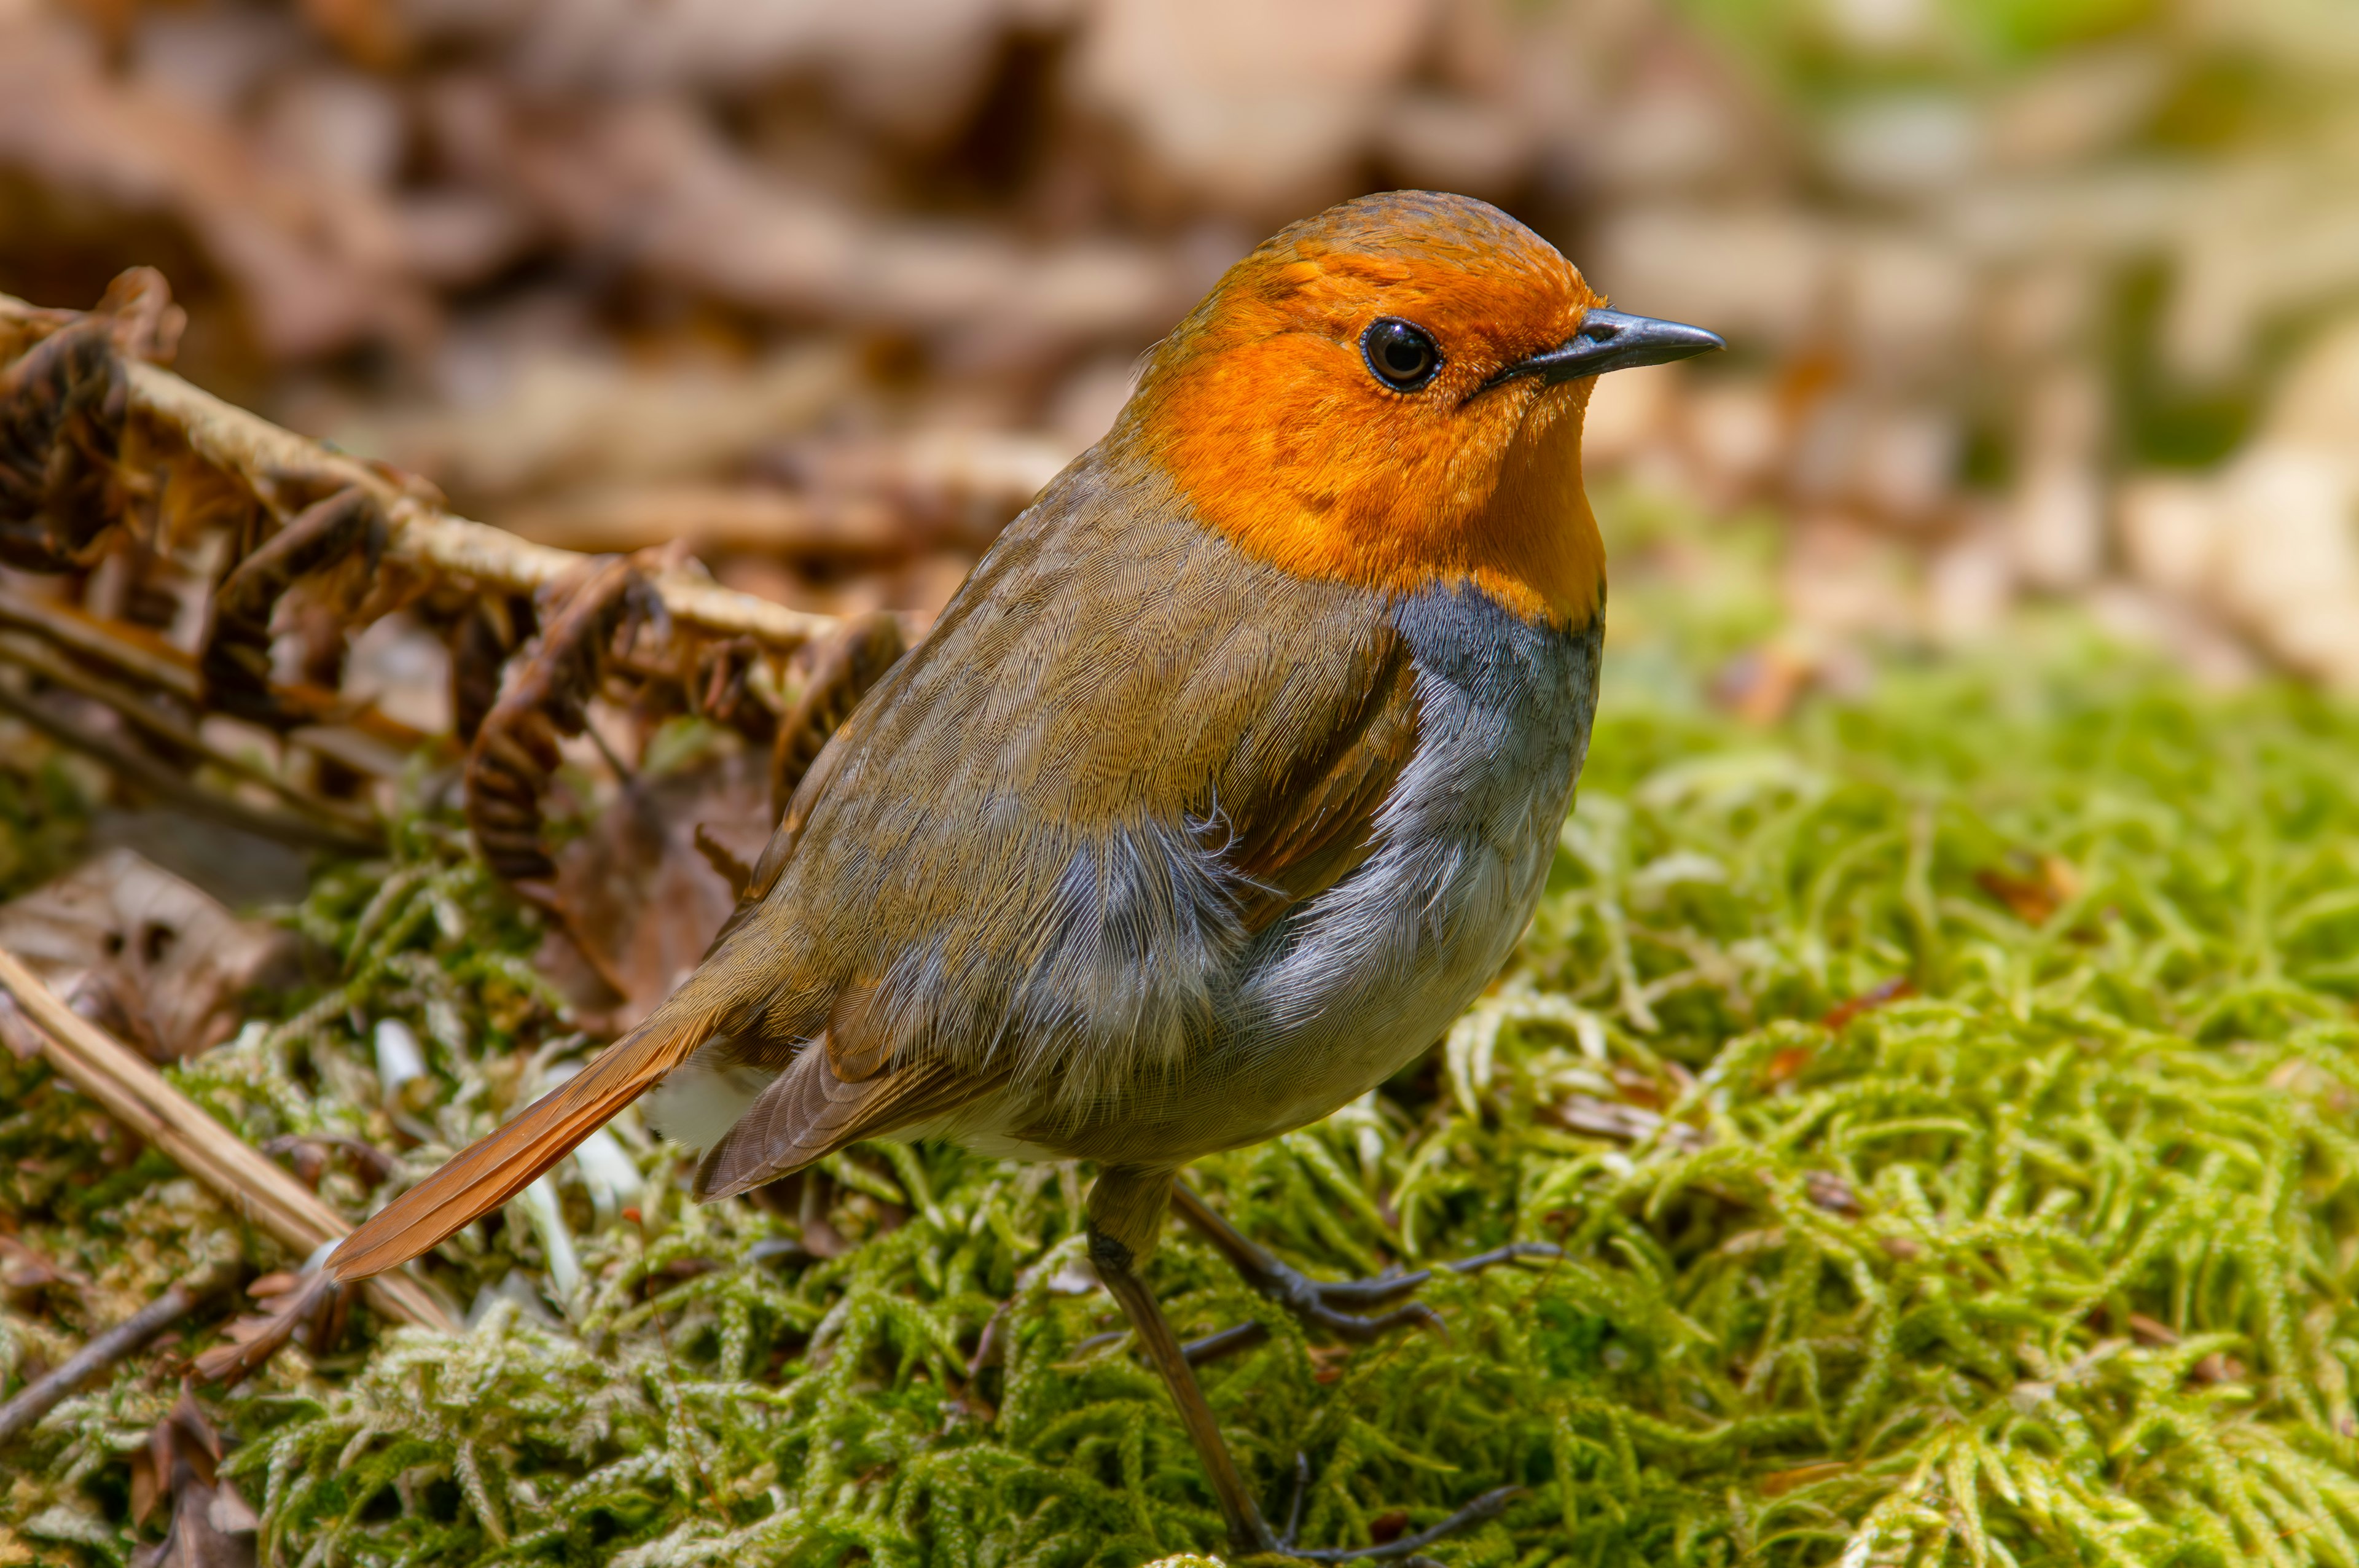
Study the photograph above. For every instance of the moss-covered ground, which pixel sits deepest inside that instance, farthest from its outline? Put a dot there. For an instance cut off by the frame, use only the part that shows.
(1943, 1097)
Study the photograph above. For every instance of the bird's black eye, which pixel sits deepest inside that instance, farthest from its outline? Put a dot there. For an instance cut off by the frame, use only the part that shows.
(1401, 354)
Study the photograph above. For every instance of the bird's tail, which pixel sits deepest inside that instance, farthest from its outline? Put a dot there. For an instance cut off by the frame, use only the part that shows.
(497, 1166)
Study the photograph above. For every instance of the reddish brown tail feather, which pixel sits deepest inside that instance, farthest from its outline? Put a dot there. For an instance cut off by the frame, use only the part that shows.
(496, 1167)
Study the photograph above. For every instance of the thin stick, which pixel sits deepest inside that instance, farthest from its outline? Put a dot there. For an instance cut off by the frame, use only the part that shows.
(140, 655)
(132, 651)
(164, 782)
(425, 534)
(38, 658)
(137, 1095)
(39, 1397)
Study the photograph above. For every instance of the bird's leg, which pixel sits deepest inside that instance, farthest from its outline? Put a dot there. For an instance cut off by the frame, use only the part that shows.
(1341, 1307)
(1248, 1533)
(1128, 1205)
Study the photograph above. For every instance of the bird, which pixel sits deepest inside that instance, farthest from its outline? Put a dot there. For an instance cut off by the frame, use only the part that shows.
(1226, 779)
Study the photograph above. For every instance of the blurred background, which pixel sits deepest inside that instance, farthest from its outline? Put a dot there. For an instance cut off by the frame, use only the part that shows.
(2029, 300)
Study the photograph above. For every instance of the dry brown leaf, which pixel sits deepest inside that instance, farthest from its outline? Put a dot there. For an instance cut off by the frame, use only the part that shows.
(159, 958)
(1267, 105)
(637, 894)
(211, 1526)
(653, 183)
(2034, 890)
(1594, 1117)
(66, 120)
(1839, 1016)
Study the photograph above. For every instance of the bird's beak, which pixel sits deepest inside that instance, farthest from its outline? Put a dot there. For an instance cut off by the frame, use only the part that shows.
(1613, 340)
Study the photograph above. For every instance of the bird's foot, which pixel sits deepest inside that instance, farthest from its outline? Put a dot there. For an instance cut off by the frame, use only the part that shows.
(1349, 1308)
(1357, 1310)
(1404, 1548)
(1118, 1194)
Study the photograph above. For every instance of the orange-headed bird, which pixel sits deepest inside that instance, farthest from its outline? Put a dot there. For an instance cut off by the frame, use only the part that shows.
(1225, 781)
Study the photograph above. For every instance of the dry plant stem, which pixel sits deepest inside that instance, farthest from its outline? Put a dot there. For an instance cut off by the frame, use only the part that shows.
(427, 535)
(41, 661)
(154, 663)
(161, 780)
(136, 1094)
(39, 1397)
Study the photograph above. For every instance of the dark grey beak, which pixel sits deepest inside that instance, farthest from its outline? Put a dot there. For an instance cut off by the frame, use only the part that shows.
(1612, 339)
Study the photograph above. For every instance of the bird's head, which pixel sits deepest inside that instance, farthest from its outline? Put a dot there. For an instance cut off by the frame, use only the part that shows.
(1390, 394)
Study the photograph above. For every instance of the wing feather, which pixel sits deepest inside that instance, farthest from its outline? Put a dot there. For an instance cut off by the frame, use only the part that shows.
(1315, 830)
(807, 1112)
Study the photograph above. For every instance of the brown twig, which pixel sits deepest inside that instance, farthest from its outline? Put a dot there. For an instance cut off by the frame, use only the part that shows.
(140, 655)
(134, 652)
(137, 1095)
(165, 783)
(424, 534)
(37, 1397)
(174, 731)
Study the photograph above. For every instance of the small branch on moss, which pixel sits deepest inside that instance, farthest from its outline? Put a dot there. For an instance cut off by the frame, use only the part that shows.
(42, 1395)
(136, 1094)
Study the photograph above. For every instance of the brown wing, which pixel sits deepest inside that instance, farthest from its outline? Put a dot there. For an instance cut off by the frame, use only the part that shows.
(807, 1112)
(1315, 830)
(1286, 844)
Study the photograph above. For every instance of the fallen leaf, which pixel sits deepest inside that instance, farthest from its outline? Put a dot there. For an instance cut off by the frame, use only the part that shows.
(2220, 1368)
(302, 269)
(1831, 1193)
(147, 952)
(2034, 890)
(1595, 1117)
(211, 1527)
(1762, 684)
(1837, 1017)
(640, 895)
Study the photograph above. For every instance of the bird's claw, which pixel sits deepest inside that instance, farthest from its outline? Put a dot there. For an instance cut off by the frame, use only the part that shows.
(1406, 1549)
(1321, 1303)
(1314, 1303)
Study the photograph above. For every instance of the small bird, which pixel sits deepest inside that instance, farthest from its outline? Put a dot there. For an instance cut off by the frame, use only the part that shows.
(1226, 779)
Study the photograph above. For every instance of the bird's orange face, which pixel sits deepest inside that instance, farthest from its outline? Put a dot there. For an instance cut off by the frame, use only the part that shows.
(1370, 398)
